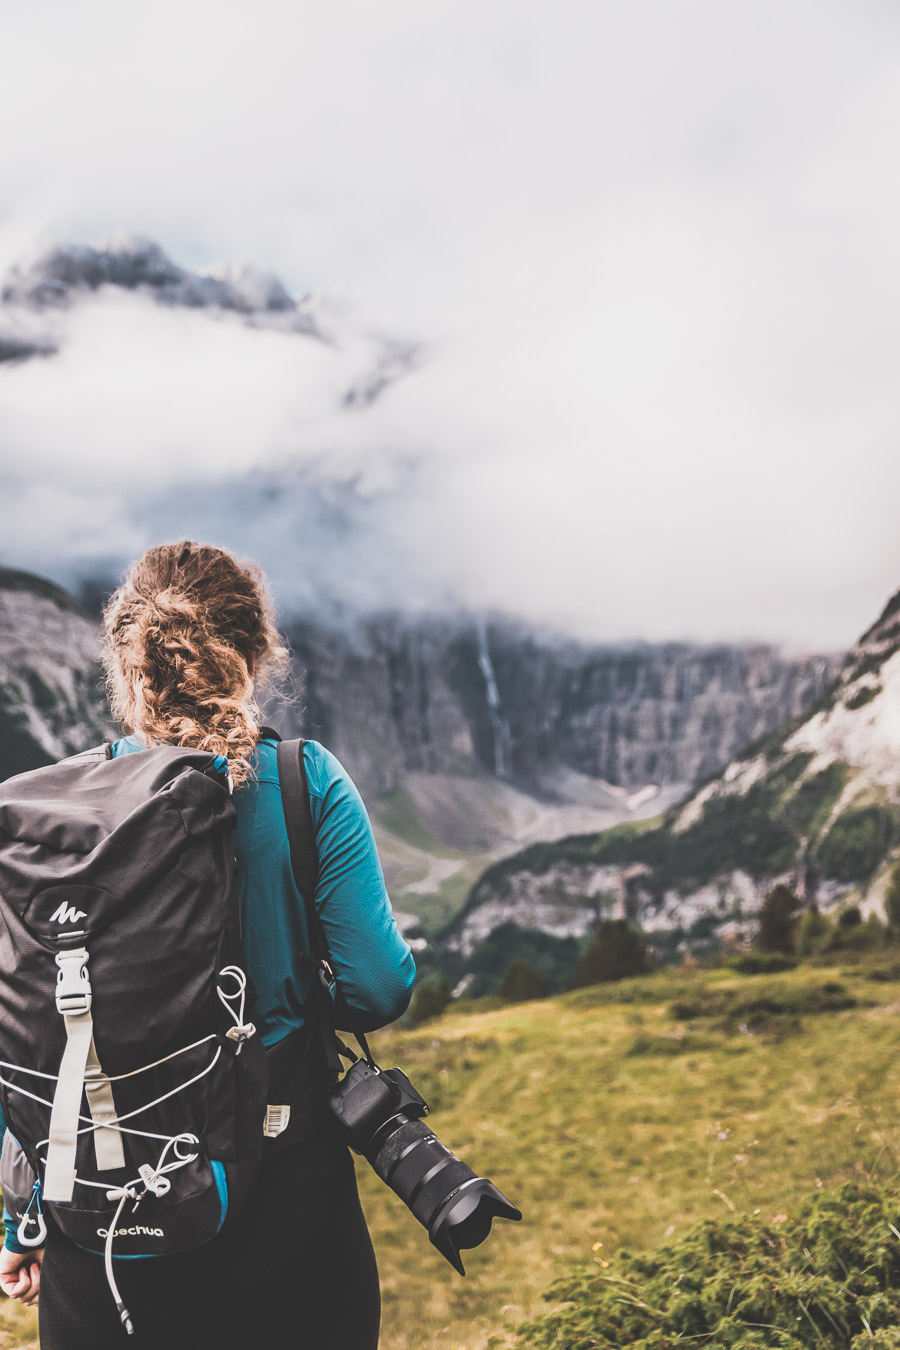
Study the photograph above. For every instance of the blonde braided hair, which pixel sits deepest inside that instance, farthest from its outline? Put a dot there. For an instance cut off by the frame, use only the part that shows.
(185, 636)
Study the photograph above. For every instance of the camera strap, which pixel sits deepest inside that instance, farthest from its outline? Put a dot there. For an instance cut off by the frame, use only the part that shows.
(305, 866)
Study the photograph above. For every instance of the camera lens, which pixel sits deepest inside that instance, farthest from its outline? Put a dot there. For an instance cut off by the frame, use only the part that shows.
(456, 1206)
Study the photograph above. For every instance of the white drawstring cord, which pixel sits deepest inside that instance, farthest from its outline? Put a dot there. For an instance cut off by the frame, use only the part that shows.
(241, 1031)
(155, 1182)
(123, 1129)
(132, 1073)
(28, 1218)
(91, 1125)
(124, 1314)
(115, 1122)
(115, 1078)
(152, 1179)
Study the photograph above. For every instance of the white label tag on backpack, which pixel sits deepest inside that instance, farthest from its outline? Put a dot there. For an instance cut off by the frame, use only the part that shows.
(277, 1118)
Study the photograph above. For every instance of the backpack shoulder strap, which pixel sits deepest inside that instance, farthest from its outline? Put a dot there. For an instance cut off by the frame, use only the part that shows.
(305, 865)
(95, 754)
(301, 833)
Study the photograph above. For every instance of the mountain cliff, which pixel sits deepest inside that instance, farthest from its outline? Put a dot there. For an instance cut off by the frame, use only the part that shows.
(51, 702)
(816, 804)
(469, 740)
(392, 696)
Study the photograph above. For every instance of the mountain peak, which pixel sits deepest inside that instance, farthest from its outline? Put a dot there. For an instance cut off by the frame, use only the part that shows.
(134, 263)
(883, 638)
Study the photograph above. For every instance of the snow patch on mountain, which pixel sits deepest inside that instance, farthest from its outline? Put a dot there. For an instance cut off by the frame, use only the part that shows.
(862, 731)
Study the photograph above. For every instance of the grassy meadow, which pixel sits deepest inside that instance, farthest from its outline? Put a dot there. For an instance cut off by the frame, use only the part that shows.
(620, 1114)
(617, 1115)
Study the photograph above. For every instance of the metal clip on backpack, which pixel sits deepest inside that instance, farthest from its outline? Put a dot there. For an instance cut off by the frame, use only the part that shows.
(131, 1080)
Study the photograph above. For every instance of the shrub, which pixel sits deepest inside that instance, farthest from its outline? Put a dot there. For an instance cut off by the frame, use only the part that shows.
(429, 999)
(854, 935)
(770, 1004)
(829, 1276)
(734, 831)
(808, 809)
(660, 1046)
(551, 957)
(892, 900)
(617, 950)
(864, 695)
(856, 843)
(778, 920)
(761, 963)
(522, 982)
(813, 932)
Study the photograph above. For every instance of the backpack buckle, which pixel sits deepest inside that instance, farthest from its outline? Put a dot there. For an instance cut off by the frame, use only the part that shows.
(73, 984)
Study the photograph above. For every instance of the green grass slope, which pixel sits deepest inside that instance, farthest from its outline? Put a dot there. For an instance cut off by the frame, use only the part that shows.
(618, 1116)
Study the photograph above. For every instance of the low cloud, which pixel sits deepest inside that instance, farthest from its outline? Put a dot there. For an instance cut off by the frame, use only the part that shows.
(647, 253)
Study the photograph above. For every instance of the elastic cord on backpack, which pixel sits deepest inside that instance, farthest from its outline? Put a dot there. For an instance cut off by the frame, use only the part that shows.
(241, 1031)
(28, 1218)
(124, 1314)
(154, 1182)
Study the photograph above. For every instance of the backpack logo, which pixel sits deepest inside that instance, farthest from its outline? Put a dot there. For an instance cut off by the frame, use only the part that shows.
(67, 914)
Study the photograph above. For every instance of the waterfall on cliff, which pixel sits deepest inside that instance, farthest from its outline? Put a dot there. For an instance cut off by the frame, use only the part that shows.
(499, 726)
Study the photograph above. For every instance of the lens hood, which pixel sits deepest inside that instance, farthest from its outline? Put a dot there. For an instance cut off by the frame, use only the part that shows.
(465, 1218)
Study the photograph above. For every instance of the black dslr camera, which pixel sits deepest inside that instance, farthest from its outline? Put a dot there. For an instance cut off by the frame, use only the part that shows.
(382, 1114)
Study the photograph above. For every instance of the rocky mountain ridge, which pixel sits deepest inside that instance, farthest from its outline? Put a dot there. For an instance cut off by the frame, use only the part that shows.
(394, 696)
(469, 739)
(51, 702)
(69, 272)
(815, 804)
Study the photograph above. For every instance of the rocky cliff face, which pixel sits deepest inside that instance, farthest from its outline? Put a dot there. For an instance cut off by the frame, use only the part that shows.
(51, 703)
(469, 740)
(394, 696)
(815, 804)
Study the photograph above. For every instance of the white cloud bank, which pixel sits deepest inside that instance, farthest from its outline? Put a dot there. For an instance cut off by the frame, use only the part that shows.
(650, 250)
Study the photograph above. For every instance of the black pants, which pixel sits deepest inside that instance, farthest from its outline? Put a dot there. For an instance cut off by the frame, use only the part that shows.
(296, 1271)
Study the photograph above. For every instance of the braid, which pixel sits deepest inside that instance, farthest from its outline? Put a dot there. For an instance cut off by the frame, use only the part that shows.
(186, 634)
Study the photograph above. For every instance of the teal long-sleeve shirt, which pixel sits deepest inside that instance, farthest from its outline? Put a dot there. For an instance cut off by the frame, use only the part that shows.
(373, 965)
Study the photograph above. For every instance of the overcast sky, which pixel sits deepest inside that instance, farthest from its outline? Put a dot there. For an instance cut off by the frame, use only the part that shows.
(649, 249)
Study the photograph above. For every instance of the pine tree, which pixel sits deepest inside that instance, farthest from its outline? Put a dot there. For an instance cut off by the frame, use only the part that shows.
(429, 1000)
(778, 920)
(522, 982)
(618, 949)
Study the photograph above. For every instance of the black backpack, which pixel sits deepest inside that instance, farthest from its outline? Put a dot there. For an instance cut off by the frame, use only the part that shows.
(136, 1091)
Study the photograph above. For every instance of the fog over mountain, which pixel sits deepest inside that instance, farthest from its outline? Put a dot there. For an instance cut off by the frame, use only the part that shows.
(142, 401)
(644, 256)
